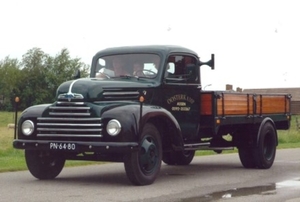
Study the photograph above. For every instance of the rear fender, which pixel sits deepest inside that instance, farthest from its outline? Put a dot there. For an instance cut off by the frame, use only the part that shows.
(267, 119)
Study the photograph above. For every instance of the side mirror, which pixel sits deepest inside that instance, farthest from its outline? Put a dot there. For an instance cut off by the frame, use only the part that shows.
(77, 74)
(210, 63)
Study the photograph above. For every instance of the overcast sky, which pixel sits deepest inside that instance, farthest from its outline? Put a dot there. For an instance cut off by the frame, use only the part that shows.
(256, 43)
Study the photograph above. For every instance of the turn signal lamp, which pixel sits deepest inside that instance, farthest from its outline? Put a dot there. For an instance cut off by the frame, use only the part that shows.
(141, 99)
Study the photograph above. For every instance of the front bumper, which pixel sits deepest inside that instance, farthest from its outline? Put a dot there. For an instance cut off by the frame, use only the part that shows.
(76, 146)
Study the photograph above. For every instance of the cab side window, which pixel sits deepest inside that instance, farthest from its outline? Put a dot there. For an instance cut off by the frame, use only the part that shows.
(182, 69)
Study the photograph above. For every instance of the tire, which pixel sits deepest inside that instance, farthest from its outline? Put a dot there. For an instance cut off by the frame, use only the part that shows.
(265, 153)
(44, 165)
(178, 158)
(246, 157)
(168, 158)
(143, 166)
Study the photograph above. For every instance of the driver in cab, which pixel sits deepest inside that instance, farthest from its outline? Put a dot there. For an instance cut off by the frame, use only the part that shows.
(117, 69)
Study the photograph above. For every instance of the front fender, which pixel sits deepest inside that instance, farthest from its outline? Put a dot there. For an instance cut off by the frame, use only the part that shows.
(127, 115)
(167, 124)
(132, 121)
(34, 111)
(31, 113)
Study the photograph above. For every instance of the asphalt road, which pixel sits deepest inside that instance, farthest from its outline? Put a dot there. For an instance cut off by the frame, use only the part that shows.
(208, 178)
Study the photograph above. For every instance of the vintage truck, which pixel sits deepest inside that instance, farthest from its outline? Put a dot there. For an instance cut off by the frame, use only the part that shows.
(142, 105)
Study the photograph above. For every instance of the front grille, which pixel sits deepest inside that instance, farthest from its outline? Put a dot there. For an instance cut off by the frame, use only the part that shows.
(69, 119)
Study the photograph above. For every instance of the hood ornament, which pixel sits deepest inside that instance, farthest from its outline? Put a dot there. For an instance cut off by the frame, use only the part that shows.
(70, 96)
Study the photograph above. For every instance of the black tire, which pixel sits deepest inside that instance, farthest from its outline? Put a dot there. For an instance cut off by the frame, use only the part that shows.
(265, 153)
(44, 165)
(178, 158)
(246, 157)
(143, 166)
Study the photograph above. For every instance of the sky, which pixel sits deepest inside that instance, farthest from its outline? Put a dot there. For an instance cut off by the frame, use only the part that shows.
(256, 42)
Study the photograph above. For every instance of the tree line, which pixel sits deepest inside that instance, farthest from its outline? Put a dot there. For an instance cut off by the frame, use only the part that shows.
(35, 78)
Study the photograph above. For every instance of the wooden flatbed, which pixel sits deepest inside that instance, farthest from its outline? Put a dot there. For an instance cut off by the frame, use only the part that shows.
(233, 108)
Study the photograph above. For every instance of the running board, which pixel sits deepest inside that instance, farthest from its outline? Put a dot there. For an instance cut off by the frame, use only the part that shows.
(204, 146)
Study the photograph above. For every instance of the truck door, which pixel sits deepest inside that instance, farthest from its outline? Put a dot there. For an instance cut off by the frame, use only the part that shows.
(181, 93)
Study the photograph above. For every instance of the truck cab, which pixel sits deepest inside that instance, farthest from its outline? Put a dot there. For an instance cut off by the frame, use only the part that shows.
(174, 75)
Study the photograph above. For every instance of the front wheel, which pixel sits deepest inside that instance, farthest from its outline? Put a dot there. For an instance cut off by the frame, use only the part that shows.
(44, 165)
(143, 166)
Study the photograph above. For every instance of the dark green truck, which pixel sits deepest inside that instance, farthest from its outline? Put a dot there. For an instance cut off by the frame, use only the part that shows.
(143, 105)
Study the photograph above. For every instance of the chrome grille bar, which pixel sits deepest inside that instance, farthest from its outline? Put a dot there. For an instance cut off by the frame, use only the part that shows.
(68, 114)
(69, 103)
(70, 124)
(69, 108)
(69, 119)
(69, 129)
(68, 135)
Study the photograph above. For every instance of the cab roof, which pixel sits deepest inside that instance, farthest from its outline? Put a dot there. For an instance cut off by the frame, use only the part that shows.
(157, 49)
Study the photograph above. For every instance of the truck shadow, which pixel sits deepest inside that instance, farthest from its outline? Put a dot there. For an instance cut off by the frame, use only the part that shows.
(113, 174)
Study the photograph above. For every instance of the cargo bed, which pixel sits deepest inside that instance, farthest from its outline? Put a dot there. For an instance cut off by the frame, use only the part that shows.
(223, 109)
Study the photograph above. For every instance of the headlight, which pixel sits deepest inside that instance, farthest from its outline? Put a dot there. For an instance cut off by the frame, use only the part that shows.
(27, 127)
(113, 127)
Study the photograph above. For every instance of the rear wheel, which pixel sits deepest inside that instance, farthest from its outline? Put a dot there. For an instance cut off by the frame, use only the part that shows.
(178, 157)
(143, 166)
(44, 165)
(261, 152)
(265, 154)
(246, 157)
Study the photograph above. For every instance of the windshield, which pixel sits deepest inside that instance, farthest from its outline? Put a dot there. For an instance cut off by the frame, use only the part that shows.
(138, 65)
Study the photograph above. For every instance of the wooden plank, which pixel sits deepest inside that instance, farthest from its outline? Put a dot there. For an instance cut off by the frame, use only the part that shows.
(234, 104)
(244, 104)
(272, 104)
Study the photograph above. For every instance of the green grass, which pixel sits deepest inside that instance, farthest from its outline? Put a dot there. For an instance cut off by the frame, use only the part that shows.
(13, 159)
(7, 117)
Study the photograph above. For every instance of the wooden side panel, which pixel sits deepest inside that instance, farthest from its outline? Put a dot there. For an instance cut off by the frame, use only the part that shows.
(268, 104)
(206, 104)
(228, 103)
(234, 104)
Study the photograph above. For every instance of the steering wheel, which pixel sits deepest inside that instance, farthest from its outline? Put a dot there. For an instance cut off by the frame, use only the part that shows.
(103, 75)
(145, 73)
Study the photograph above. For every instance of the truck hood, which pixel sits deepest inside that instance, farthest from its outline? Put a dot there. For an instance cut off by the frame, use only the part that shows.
(92, 89)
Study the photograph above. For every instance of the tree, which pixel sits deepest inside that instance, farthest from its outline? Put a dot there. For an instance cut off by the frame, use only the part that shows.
(62, 69)
(34, 71)
(9, 82)
(36, 78)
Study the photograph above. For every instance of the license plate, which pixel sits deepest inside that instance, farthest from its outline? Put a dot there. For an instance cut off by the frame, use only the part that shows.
(62, 146)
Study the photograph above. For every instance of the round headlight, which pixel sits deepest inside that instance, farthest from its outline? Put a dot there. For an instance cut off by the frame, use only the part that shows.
(27, 127)
(113, 127)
